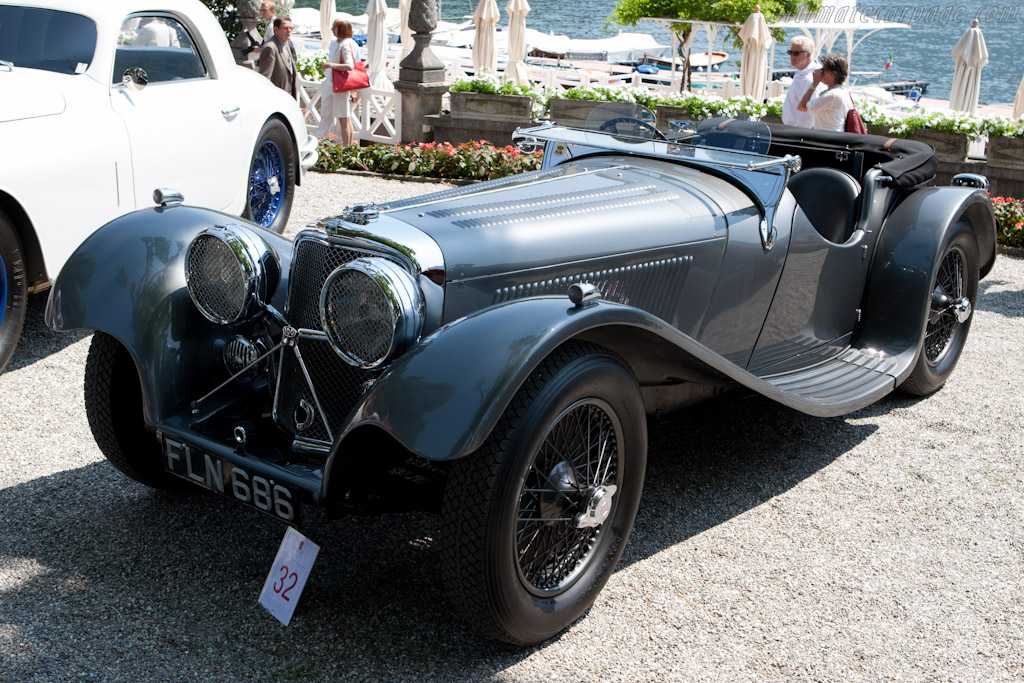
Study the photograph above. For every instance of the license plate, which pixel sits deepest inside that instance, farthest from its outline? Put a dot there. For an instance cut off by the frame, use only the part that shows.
(266, 495)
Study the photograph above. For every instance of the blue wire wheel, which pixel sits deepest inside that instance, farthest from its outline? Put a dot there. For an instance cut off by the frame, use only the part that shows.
(267, 180)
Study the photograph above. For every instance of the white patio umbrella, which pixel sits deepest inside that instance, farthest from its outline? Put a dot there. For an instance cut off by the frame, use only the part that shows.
(970, 55)
(406, 32)
(326, 20)
(754, 68)
(485, 55)
(516, 68)
(1018, 104)
(376, 45)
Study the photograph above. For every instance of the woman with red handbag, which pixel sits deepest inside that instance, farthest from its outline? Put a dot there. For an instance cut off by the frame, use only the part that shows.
(343, 56)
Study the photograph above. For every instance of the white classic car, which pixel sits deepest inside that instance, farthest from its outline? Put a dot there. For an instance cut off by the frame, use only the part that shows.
(102, 103)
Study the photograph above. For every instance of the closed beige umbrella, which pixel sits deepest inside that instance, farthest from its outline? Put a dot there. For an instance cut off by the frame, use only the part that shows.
(754, 68)
(516, 68)
(326, 20)
(485, 54)
(970, 55)
(376, 45)
(1018, 104)
(406, 32)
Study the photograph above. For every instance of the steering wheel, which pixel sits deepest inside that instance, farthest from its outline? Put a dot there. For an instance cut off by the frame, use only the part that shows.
(627, 125)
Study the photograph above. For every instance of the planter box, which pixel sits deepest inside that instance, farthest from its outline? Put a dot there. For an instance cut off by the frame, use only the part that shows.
(771, 118)
(876, 129)
(571, 113)
(948, 146)
(484, 105)
(1005, 152)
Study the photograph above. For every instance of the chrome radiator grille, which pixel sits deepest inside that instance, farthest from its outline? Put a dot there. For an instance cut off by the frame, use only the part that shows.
(337, 385)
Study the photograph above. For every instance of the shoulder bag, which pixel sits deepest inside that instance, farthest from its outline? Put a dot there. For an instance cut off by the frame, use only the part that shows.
(353, 79)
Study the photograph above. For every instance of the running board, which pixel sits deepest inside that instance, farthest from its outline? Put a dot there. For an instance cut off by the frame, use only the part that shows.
(853, 379)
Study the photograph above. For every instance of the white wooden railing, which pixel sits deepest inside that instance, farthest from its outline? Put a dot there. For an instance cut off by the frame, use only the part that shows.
(377, 116)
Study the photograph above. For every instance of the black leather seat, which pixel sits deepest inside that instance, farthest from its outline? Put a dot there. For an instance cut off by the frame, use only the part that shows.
(829, 199)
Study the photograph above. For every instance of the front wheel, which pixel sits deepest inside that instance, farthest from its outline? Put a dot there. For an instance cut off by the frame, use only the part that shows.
(271, 188)
(113, 405)
(536, 520)
(953, 295)
(13, 289)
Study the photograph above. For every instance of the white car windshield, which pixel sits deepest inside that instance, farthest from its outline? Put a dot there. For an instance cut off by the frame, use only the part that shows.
(50, 40)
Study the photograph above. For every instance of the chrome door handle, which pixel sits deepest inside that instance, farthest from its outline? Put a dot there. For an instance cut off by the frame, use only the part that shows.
(228, 112)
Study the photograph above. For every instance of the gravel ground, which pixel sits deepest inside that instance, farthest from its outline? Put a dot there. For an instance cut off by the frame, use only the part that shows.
(770, 546)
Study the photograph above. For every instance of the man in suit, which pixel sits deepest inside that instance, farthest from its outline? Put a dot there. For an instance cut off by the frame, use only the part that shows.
(277, 58)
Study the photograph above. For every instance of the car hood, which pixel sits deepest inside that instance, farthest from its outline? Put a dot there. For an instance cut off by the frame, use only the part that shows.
(573, 212)
(28, 94)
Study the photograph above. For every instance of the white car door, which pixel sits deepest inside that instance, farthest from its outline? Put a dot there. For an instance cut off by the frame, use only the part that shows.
(183, 125)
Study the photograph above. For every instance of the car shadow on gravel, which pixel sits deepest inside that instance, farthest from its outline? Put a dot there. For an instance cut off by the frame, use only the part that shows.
(99, 573)
(722, 458)
(1004, 302)
(37, 340)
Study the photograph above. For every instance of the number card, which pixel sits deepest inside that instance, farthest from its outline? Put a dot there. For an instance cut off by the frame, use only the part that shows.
(288, 576)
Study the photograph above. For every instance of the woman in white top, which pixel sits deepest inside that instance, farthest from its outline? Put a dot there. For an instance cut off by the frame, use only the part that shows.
(830, 107)
(343, 55)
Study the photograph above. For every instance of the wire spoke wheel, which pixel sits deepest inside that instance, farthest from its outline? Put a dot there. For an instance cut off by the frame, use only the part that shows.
(266, 183)
(954, 288)
(537, 518)
(567, 494)
(943, 323)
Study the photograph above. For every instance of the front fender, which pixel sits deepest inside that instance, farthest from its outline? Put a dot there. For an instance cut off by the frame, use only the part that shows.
(443, 398)
(128, 280)
(897, 296)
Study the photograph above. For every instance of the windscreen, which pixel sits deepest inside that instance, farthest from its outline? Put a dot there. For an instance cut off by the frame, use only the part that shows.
(50, 40)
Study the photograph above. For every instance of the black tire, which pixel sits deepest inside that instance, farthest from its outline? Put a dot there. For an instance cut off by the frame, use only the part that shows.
(274, 160)
(945, 334)
(13, 289)
(526, 594)
(113, 405)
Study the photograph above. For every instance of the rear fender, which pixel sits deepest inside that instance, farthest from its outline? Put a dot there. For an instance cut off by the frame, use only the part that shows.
(128, 280)
(896, 300)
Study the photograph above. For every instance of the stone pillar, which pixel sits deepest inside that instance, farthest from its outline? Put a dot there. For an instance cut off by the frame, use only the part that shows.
(420, 75)
(246, 45)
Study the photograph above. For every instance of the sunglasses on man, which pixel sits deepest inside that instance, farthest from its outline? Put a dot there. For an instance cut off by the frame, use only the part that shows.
(795, 52)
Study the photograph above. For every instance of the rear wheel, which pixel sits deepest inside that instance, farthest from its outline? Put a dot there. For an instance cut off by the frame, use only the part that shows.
(953, 294)
(536, 520)
(113, 405)
(13, 289)
(271, 186)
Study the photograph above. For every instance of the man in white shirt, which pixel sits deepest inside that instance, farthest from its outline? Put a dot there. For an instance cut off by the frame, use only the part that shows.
(268, 12)
(800, 57)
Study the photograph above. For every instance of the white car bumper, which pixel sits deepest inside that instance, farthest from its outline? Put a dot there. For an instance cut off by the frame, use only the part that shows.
(307, 153)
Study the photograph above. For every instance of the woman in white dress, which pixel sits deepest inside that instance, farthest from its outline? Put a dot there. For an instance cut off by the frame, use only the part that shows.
(326, 124)
(830, 107)
(343, 55)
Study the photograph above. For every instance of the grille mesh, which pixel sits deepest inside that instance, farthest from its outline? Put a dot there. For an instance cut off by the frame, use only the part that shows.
(338, 385)
(215, 278)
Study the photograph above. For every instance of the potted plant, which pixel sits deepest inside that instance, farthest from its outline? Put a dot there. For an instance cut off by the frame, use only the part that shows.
(572, 107)
(1005, 142)
(491, 97)
(947, 131)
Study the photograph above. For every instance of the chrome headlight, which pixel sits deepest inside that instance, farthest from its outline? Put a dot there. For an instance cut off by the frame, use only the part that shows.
(231, 273)
(371, 310)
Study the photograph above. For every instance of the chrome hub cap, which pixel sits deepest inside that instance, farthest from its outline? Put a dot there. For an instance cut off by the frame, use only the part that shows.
(265, 194)
(598, 507)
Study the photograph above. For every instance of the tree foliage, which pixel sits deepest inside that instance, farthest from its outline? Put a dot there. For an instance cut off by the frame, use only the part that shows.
(226, 14)
(629, 12)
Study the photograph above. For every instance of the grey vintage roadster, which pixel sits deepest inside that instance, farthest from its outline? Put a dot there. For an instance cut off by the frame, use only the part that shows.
(492, 352)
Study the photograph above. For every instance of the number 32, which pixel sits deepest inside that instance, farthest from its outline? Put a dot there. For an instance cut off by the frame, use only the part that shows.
(279, 585)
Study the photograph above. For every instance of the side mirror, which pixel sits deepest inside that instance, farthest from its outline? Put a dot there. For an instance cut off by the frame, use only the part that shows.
(135, 78)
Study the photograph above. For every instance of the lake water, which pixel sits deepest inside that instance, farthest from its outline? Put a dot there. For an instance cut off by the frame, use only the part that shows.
(923, 51)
